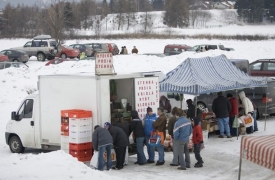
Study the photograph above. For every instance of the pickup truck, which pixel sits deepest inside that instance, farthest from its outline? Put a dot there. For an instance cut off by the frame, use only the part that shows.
(206, 47)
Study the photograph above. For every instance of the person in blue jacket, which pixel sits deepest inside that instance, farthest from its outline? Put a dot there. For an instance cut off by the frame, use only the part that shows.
(182, 132)
(148, 128)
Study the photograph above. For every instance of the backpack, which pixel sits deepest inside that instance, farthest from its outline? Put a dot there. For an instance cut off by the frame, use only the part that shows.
(148, 124)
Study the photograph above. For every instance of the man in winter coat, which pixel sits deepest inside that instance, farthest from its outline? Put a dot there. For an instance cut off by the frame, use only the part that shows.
(191, 109)
(248, 109)
(160, 125)
(171, 124)
(182, 132)
(125, 126)
(138, 131)
(134, 50)
(125, 50)
(150, 118)
(234, 112)
(120, 142)
(102, 141)
(221, 107)
(122, 50)
(165, 104)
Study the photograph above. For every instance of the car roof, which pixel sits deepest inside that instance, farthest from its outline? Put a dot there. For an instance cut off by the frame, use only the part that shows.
(263, 60)
(40, 37)
(238, 60)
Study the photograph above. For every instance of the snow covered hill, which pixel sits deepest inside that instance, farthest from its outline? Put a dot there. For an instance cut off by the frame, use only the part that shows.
(219, 22)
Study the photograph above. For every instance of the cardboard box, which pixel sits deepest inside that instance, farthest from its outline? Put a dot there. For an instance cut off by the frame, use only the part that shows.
(205, 125)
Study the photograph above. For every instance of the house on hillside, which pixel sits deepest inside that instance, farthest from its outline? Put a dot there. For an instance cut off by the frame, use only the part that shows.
(201, 5)
(224, 5)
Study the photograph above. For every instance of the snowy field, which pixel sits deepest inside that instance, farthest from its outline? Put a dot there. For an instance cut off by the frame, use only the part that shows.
(221, 156)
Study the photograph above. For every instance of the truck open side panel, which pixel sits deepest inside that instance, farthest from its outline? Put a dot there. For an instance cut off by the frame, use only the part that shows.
(60, 93)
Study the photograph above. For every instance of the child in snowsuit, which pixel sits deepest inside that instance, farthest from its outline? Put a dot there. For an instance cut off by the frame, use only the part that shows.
(197, 140)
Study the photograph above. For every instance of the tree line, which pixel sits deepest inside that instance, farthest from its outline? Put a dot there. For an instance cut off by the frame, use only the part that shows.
(63, 18)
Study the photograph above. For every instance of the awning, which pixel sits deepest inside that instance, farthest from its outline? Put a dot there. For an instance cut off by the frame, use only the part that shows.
(209, 74)
(259, 150)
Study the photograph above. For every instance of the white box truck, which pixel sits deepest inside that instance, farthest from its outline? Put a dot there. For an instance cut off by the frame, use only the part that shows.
(36, 123)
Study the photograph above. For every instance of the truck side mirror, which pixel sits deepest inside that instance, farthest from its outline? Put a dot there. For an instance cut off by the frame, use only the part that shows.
(13, 114)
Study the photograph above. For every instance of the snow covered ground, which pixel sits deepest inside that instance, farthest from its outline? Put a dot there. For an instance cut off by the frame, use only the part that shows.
(221, 156)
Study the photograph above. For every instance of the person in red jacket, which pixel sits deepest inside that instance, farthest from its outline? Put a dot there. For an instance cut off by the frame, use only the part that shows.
(232, 113)
(197, 139)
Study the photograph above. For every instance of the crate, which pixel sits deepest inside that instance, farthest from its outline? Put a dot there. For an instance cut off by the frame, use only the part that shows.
(65, 133)
(75, 113)
(80, 134)
(80, 121)
(65, 139)
(81, 127)
(80, 140)
(64, 146)
(81, 146)
(64, 126)
(84, 158)
(65, 120)
(80, 153)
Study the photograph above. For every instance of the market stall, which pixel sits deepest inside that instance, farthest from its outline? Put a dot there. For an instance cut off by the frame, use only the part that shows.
(197, 76)
(259, 150)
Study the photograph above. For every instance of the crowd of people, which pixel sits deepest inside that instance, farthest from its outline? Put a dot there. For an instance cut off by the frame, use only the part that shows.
(228, 108)
(179, 128)
(125, 51)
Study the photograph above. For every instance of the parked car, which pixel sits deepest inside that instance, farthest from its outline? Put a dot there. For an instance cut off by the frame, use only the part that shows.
(242, 64)
(113, 48)
(4, 65)
(3, 58)
(68, 52)
(42, 46)
(98, 47)
(83, 48)
(16, 55)
(263, 67)
(174, 49)
(206, 47)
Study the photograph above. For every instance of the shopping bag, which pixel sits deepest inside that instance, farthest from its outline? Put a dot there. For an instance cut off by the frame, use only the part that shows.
(236, 123)
(247, 120)
(156, 138)
(94, 160)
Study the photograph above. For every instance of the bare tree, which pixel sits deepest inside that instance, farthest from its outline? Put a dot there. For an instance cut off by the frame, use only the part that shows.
(194, 14)
(229, 16)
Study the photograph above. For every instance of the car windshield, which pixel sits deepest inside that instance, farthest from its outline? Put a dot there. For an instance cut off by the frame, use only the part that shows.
(53, 44)
(68, 47)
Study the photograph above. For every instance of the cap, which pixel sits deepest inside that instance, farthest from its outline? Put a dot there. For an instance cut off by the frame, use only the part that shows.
(149, 109)
(107, 124)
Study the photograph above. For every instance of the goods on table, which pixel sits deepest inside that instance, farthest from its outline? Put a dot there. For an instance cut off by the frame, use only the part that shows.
(208, 121)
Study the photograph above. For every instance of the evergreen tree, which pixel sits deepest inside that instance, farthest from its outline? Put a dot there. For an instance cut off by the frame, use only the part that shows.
(68, 16)
(112, 6)
(157, 5)
(270, 10)
(251, 11)
(176, 13)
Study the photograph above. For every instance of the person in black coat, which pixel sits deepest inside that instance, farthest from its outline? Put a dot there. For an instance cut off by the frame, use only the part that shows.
(138, 131)
(123, 124)
(191, 109)
(120, 142)
(221, 106)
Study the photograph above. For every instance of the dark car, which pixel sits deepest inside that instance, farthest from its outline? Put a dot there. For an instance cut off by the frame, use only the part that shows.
(263, 67)
(16, 55)
(83, 48)
(4, 65)
(98, 47)
(175, 49)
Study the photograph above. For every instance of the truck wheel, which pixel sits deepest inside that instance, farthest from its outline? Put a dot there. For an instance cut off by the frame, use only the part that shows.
(16, 145)
(41, 57)
(201, 106)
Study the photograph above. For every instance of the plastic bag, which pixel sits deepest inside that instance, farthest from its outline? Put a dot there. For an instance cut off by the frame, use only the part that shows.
(94, 160)
(236, 123)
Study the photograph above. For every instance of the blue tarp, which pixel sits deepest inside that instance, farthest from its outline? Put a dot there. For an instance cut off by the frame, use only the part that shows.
(209, 74)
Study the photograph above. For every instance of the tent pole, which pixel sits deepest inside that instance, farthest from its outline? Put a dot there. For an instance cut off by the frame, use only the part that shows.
(237, 113)
(240, 163)
(196, 105)
(265, 109)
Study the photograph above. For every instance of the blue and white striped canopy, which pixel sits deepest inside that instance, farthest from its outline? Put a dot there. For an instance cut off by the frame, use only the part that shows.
(209, 74)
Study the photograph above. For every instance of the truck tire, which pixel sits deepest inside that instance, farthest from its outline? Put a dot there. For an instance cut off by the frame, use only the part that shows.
(41, 57)
(201, 106)
(16, 145)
